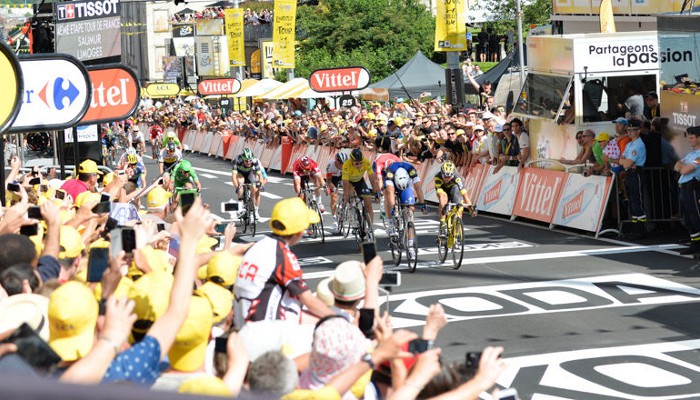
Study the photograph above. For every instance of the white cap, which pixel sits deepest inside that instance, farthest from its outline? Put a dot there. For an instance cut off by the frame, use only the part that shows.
(479, 128)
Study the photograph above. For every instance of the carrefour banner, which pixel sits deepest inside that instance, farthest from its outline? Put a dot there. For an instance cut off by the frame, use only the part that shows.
(234, 33)
(283, 33)
(450, 28)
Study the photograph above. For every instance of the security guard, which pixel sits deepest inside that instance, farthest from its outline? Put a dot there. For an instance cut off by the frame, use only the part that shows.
(632, 160)
(689, 189)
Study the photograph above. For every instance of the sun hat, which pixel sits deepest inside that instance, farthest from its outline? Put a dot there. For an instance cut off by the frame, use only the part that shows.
(73, 315)
(348, 282)
(26, 307)
(291, 216)
(323, 292)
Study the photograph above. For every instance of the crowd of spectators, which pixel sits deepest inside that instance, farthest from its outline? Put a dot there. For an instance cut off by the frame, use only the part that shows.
(250, 17)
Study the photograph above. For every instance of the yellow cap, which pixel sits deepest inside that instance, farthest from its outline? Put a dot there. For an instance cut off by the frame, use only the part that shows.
(72, 320)
(459, 132)
(398, 121)
(371, 116)
(151, 295)
(190, 346)
(220, 300)
(157, 260)
(109, 178)
(85, 198)
(223, 265)
(205, 243)
(291, 216)
(122, 291)
(71, 242)
(88, 167)
(205, 385)
(602, 136)
(323, 127)
(158, 197)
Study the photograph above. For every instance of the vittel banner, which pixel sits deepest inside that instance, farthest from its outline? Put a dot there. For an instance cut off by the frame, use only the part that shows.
(538, 194)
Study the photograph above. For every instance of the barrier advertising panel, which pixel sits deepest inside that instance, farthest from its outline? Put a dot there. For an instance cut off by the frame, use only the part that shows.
(538, 194)
(498, 191)
(88, 29)
(339, 79)
(115, 94)
(219, 86)
(11, 82)
(57, 93)
(583, 202)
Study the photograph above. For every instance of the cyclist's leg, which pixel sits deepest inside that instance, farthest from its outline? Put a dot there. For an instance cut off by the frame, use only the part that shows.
(318, 181)
(335, 181)
(254, 190)
(442, 201)
(297, 185)
(389, 202)
(363, 191)
(456, 197)
(407, 196)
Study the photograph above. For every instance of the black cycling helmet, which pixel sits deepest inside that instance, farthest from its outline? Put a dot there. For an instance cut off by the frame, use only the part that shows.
(356, 155)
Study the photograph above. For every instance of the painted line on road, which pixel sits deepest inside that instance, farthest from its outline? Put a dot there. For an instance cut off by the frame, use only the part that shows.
(530, 257)
(210, 176)
(270, 195)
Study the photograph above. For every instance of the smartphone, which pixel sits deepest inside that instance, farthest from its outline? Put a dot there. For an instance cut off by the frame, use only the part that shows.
(221, 227)
(160, 181)
(472, 360)
(369, 251)
(128, 239)
(33, 349)
(105, 197)
(34, 212)
(98, 262)
(111, 224)
(29, 230)
(390, 278)
(220, 344)
(102, 207)
(13, 187)
(121, 172)
(35, 181)
(186, 200)
(507, 394)
(230, 207)
(61, 194)
(417, 346)
(160, 226)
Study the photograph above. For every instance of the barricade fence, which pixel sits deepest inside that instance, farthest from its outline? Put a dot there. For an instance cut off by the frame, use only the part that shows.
(559, 198)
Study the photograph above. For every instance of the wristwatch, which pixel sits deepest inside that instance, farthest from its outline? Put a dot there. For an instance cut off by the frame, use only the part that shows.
(368, 359)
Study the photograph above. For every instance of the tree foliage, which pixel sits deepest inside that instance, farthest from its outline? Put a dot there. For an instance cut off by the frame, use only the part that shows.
(535, 12)
(380, 35)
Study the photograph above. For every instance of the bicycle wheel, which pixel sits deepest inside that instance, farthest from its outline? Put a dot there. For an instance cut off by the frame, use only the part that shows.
(442, 243)
(244, 221)
(457, 242)
(251, 213)
(319, 226)
(359, 227)
(368, 232)
(395, 246)
(347, 222)
(411, 233)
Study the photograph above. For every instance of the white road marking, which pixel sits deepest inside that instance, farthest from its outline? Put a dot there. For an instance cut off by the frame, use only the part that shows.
(210, 176)
(270, 195)
(529, 257)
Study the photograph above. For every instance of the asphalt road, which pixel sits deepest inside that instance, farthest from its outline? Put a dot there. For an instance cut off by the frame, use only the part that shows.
(579, 318)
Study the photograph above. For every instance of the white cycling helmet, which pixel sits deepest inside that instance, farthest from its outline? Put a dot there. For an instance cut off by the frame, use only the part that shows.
(401, 179)
(130, 150)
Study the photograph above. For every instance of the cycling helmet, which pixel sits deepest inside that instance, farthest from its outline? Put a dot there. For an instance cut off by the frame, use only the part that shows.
(130, 151)
(448, 168)
(401, 179)
(247, 155)
(171, 146)
(356, 155)
(185, 166)
(170, 134)
(305, 163)
(341, 157)
(132, 159)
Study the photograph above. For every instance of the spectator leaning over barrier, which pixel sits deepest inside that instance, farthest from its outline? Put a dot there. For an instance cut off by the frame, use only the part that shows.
(689, 189)
(86, 179)
(523, 139)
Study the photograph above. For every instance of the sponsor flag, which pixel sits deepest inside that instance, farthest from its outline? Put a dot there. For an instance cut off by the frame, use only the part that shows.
(450, 28)
(283, 33)
(607, 19)
(234, 33)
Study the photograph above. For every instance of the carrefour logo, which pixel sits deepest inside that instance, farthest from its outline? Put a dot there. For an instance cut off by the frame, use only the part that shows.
(62, 93)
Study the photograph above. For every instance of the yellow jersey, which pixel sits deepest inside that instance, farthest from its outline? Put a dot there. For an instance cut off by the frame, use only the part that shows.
(352, 174)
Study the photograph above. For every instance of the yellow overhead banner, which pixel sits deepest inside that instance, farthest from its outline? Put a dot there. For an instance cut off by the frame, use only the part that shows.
(162, 89)
(11, 82)
(283, 32)
(450, 28)
(268, 48)
(234, 33)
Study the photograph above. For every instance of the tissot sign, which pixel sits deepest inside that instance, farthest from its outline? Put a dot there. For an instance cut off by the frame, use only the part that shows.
(219, 86)
(339, 79)
(88, 29)
(56, 94)
(115, 94)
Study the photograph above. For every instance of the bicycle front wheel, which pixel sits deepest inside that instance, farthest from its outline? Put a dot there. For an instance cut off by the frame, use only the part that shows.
(411, 241)
(251, 214)
(318, 228)
(368, 232)
(457, 242)
(442, 243)
(346, 226)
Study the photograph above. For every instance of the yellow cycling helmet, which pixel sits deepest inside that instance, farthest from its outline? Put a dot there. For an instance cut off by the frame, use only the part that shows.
(132, 159)
(448, 168)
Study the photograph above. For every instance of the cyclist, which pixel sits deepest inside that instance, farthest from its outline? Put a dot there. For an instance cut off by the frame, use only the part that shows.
(248, 169)
(400, 178)
(184, 176)
(156, 132)
(304, 170)
(449, 186)
(334, 177)
(353, 175)
(123, 158)
(109, 141)
(171, 137)
(137, 140)
(168, 157)
(135, 171)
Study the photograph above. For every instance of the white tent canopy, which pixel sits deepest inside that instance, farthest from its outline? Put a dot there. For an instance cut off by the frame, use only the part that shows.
(286, 90)
(265, 85)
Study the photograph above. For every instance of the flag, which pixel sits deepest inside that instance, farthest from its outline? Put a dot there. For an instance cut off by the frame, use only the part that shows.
(450, 28)
(607, 19)
(283, 33)
(234, 34)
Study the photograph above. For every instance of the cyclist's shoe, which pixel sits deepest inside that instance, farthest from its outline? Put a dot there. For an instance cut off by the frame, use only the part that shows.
(335, 226)
(411, 254)
(321, 208)
(443, 229)
(391, 231)
(257, 215)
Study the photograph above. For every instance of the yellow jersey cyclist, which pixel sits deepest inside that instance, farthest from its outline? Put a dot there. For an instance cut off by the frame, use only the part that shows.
(168, 157)
(353, 176)
(449, 186)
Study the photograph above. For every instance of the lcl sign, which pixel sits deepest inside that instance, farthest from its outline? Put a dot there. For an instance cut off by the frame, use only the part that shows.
(115, 94)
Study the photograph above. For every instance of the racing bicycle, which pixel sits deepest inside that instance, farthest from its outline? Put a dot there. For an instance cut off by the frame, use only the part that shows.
(405, 238)
(247, 216)
(451, 236)
(357, 220)
(315, 230)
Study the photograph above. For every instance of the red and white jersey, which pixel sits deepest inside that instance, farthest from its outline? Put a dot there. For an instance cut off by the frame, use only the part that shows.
(155, 131)
(297, 170)
(380, 162)
(268, 285)
(332, 170)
